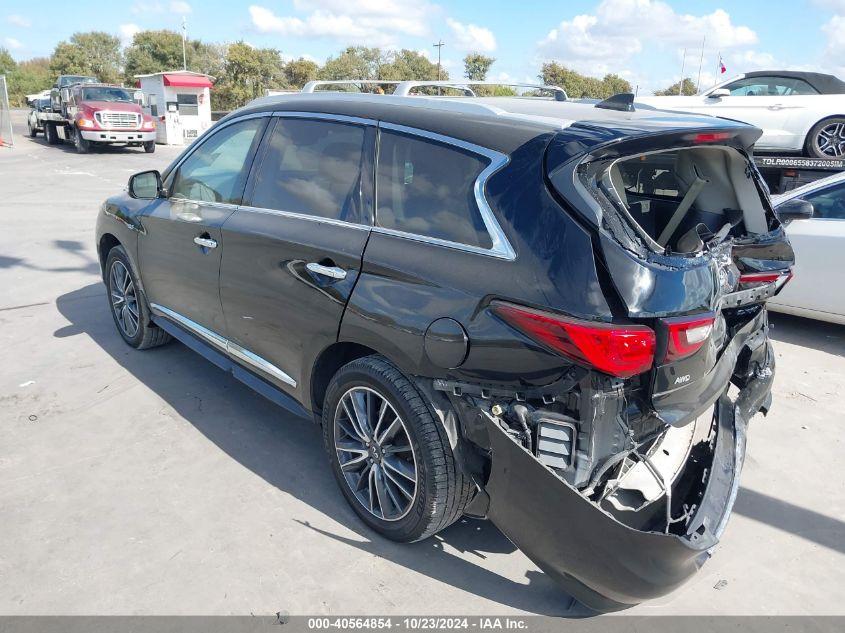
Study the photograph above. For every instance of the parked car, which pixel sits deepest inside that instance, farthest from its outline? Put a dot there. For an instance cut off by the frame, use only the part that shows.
(816, 228)
(797, 111)
(521, 309)
(33, 123)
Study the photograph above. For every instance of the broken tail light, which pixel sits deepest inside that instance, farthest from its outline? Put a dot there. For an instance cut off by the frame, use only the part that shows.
(618, 350)
(758, 279)
(687, 335)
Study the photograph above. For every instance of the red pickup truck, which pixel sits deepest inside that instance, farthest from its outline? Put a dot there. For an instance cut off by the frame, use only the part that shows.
(99, 113)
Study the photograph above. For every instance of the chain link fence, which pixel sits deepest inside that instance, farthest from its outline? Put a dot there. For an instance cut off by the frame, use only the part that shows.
(6, 139)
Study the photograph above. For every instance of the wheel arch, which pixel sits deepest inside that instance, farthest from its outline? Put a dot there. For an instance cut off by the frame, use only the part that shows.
(107, 242)
(326, 365)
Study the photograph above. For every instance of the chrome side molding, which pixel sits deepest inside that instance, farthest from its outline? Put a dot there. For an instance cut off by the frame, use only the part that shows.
(232, 349)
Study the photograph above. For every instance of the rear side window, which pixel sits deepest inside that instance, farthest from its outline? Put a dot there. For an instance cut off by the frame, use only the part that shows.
(770, 87)
(312, 167)
(427, 188)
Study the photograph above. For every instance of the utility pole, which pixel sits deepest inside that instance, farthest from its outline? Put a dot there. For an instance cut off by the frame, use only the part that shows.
(184, 39)
(438, 46)
(683, 63)
(700, 62)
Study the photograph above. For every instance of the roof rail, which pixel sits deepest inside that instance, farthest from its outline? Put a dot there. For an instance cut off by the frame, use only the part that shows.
(404, 88)
(311, 86)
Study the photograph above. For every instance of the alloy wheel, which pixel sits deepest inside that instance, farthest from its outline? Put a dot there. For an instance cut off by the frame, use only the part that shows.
(375, 453)
(124, 300)
(831, 140)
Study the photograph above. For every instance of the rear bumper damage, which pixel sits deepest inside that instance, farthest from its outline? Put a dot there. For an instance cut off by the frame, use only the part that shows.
(584, 544)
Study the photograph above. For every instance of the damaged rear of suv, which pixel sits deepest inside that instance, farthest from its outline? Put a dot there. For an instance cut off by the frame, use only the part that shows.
(541, 312)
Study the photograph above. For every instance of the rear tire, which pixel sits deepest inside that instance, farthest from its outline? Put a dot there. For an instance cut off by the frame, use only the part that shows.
(127, 304)
(50, 134)
(150, 147)
(827, 139)
(440, 490)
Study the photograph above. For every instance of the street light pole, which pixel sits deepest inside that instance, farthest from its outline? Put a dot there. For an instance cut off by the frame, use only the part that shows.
(184, 38)
(438, 46)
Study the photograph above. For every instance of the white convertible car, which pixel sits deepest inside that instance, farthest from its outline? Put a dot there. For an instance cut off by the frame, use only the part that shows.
(797, 111)
(818, 289)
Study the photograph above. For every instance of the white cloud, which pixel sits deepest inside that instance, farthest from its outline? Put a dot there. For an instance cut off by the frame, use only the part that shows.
(369, 22)
(618, 28)
(18, 20)
(127, 32)
(834, 52)
(182, 8)
(469, 37)
(147, 7)
(12, 43)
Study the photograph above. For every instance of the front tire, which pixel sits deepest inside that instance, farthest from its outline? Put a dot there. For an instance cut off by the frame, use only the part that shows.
(32, 131)
(127, 305)
(827, 139)
(390, 457)
(150, 147)
(83, 146)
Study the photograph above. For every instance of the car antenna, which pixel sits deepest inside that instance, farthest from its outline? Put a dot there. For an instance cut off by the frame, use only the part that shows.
(624, 102)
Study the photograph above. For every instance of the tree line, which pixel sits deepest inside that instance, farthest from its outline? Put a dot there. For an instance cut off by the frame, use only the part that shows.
(243, 72)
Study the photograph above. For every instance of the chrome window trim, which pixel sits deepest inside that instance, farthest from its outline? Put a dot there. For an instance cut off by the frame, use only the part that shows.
(323, 116)
(501, 247)
(232, 349)
(305, 216)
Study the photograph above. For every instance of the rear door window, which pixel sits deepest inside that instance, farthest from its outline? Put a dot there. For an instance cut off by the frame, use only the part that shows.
(426, 188)
(770, 87)
(312, 167)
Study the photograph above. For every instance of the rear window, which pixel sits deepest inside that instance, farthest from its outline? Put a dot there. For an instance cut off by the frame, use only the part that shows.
(427, 188)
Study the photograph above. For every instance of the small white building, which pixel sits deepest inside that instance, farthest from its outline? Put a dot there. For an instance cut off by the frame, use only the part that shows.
(180, 100)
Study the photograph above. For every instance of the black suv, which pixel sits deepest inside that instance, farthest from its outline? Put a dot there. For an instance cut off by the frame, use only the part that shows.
(523, 309)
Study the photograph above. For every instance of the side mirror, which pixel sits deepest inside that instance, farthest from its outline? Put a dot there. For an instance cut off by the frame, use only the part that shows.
(146, 185)
(795, 209)
(718, 93)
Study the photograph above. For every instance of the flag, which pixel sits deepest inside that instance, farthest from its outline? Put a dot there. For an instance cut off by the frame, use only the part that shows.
(722, 68)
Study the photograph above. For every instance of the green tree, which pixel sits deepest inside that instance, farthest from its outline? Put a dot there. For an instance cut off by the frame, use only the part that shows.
(579, 86)
(355, 62)
(7, 63)
(30, 76)
(687, 89)
(476, 66)
(152, 52)
(248, 73)
(94, 53)
(407, 65)
(300, 71)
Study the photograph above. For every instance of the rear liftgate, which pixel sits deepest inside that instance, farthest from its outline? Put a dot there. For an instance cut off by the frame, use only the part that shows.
(625, 525)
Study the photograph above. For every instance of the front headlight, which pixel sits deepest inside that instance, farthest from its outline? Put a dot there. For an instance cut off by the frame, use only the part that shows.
(85, 123)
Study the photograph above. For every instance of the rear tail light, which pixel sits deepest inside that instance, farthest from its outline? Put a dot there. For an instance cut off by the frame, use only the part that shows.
(711, 137)
(687, 335)
(618, 350)
(758, 279)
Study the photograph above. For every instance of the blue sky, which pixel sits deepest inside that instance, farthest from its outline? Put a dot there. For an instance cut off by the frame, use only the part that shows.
(643, 40)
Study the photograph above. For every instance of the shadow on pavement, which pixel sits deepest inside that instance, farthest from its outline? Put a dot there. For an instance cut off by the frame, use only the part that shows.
(818, 335)
(287, 452)
(801, 522)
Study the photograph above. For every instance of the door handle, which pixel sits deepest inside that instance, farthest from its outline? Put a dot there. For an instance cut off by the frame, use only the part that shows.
(334, 272)
(207, 242)
(776, 106)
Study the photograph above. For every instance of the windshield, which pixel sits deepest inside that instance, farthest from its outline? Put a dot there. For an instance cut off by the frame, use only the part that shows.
(67, 80)
(106, 94)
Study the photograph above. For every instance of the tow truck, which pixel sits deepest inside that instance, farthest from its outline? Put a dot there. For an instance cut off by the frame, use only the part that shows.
(89, 113)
